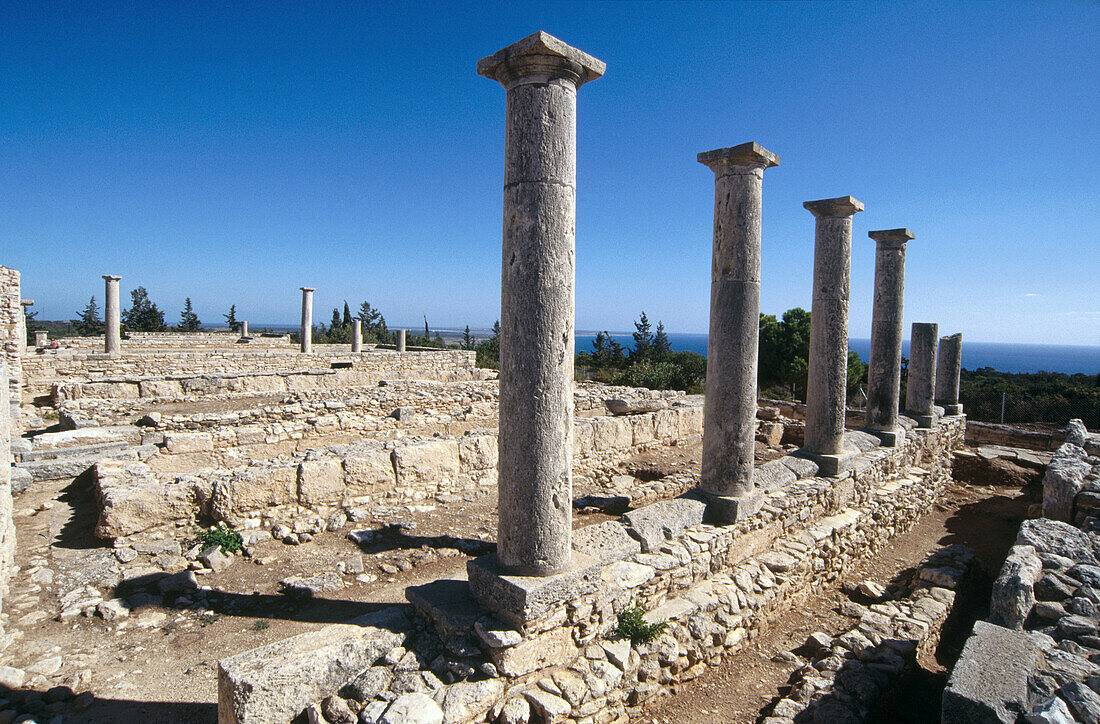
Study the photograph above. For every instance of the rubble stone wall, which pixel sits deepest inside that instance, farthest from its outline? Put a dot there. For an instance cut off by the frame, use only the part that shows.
(715, 587)
(7, 522)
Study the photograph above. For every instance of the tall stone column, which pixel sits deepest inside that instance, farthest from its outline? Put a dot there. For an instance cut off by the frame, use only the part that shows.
(920, 385)
(948, 369)
(729, 413)
(244, 329)
(307, 319)
(541, 75)
(400, 340)
(112, 320)
(356, 335)
(41, 339)
(884, 365)
(827, 387)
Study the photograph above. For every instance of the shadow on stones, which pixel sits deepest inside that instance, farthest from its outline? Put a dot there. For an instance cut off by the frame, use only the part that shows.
(177, 592)
(397, 536)
(90, 709)
(78, 533)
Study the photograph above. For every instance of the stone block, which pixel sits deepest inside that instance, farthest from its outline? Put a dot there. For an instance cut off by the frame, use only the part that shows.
(320, 482)
(619, 406)
(525, 600)
(448, 604)
(727, 510)
(431, 461)
(1053, 536)
(773, 476)
(1064, 478)
(369, 470)
(1014, 590)
(605, 542)
(477, 452)
(555, 647)
(656, 523)
(980, 693)
(178, 443)
(278, 681)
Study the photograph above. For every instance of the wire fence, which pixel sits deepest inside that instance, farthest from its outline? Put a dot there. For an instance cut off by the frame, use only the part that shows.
(1016, 407)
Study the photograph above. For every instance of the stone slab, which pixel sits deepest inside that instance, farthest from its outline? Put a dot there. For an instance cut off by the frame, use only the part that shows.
(523, 600)
(656, 523)
(605, 542)
(727, 510)
(978, 693)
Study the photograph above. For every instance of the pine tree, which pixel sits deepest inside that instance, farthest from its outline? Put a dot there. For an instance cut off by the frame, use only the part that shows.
(346, 321)
(643, 340)
(335, 320)
(467, 339)
(189, 321)
(143, 315)
(231, 319)
(427, 332)
(661, 346)
(89, 323)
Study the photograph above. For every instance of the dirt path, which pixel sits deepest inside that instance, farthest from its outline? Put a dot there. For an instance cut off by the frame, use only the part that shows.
(744, 687)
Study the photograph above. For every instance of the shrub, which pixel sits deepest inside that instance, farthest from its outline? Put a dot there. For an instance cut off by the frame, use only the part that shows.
(633, 627)
(221, 535)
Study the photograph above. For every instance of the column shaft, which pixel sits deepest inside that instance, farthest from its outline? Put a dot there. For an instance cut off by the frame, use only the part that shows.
(920, 384)
(827, 385)
(244, 329)
(729, 417)
(948, 370)
(306, 333)
(884, 364)
(400, 340)
(112, 334)
(357, 336)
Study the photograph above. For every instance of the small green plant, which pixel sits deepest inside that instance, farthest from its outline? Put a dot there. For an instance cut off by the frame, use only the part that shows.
(221, 535)
(633, 627)
(206, 618)
(260, 625)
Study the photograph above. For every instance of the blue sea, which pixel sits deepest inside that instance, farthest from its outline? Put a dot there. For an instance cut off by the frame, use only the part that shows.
(975, 355)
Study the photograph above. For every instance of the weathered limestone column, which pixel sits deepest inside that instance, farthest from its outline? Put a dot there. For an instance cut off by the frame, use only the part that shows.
(884, 365)
(948, 369)
(112, 335)
(306, 333)
(40, 338)
(400, 340)
(357, 335)
(827, 386)
(921, 382)
(729, 413)
(244, 329)
(541, 75)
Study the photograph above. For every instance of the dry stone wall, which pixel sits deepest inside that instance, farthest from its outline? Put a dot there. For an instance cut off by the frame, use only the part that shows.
(716, 587)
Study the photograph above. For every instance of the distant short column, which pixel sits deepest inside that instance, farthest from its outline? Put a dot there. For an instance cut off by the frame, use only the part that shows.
(827, 386)
(307, 319)
(884, 363)
(948, 369)
(920, 385)
(244, 329)
(400, 340)
(40, 339)
(729, 413)
(357, 335)
(112, 317)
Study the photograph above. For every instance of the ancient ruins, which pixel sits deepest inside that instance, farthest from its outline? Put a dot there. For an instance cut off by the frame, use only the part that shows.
(471, 540)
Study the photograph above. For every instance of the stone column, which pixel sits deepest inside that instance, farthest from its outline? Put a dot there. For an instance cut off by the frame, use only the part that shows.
(40, 338)
(729, 413)
(541, 75)
(307, 319)
(400, 340)
(884, 365)
(921, 382)
(827, 387)
(244, 329)
(948, 368)
(356, 335)
(112, 335)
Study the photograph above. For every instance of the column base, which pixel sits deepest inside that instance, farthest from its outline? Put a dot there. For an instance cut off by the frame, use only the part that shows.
(729, 509)
(829, 466)
(889, 438)
(925, 422)
(950, 410)
(522, 600)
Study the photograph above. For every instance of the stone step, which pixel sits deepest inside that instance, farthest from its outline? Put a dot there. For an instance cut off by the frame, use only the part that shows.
(74, 466)
(84, 437)
(65, 453)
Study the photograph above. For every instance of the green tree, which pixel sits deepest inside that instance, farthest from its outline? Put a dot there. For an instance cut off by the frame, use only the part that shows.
(784, 352)
(661, 346)
(468, 341)
(488, 351)
(231, 319)
(643, 340)
(374, 324)
(189, 321)
(88, 322)
(345, 322)
(143, 315)
(857, 372)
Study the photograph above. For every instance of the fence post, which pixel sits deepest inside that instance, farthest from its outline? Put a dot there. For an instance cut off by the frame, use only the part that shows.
(1003, 395)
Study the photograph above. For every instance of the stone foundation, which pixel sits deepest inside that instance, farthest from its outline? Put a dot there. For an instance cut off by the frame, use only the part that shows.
(714, 586)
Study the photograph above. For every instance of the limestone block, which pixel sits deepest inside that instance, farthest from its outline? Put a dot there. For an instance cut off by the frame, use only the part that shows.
(584, 432)
(320, 482)
(258, 487)
(691, 420)
(1064, 478)
(160, 388)
(467, 701)
(477, 452)
(655, 523)
(188, 442)
(277, 681)
(1053, 536)
(130, 503)
(978, 693)
(535, 653)
(250, 435)
(1014, 590)
(666, 424)
(431, 461)
(612, 433)
(644, 429)
(618, 406)
(369, 470)
(605, 542)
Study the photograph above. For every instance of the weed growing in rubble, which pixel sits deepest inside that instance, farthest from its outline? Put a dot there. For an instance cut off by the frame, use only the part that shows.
(221, 535)
(632, 626)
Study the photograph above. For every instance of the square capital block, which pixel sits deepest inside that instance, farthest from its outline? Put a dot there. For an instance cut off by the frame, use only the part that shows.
(540, 58)
(748, 155)
(837, 208)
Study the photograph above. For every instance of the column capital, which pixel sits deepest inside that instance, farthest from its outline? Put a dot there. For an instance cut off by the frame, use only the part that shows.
(111, 277)
(540, 58)
(892, 238)
(308, 289)
(837, 208)
(746, 155)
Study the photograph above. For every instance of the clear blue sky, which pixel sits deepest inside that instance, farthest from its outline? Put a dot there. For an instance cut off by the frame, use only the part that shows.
(233, 152)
